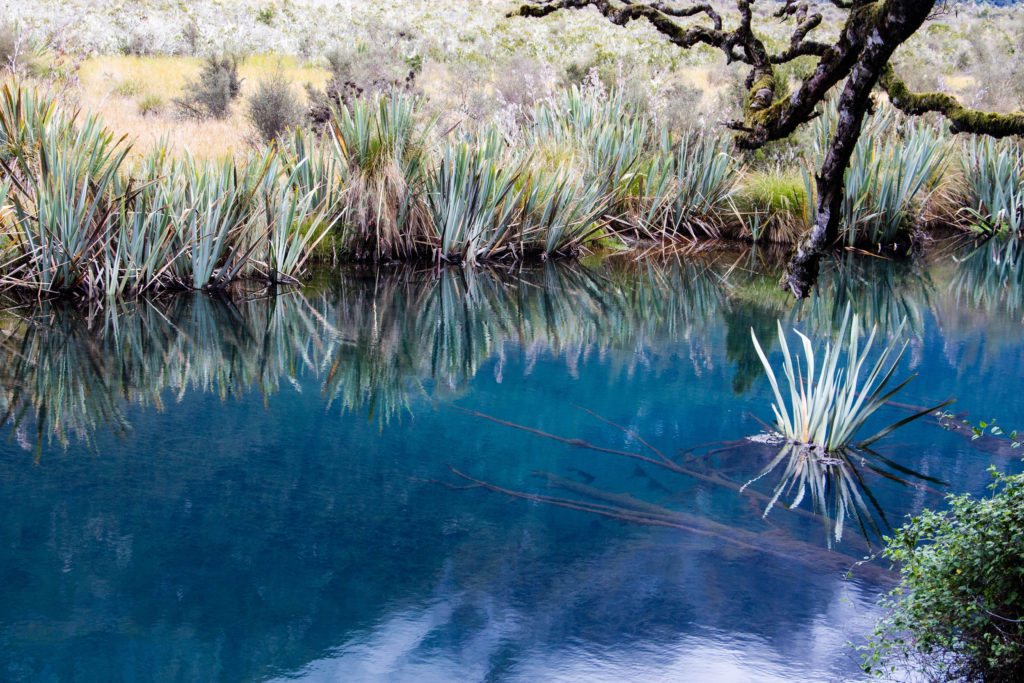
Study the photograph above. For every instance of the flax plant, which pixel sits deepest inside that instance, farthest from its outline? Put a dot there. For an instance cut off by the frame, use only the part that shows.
(62, 203)
(474, 201)
(296, 224)
(213, 232)
(896, 168)
(381, 149)
(561, 212)
(606, 137)
(994, 178)
(827, 408)
(690, 186)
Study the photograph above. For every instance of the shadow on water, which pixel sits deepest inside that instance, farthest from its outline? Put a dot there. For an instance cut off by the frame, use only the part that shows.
(251, 487)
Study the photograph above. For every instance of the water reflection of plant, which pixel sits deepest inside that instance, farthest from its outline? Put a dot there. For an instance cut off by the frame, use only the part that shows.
(882, 292)
(373, 340)
(991, 277)
(836, 485)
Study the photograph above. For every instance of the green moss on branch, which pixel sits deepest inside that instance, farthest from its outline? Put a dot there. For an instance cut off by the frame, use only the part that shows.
(962, 119)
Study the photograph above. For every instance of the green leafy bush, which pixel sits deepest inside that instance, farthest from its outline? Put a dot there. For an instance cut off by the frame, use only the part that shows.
(958, 612)
(151, 105)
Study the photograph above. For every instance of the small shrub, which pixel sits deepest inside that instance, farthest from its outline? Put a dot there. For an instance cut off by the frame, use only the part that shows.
(389, 64)
(8, 46)
(266, 15)
(137, 45)
(129, 87)
(211, 95)
(151, 105)
(958, 612)
(272, 108)
(191, 38)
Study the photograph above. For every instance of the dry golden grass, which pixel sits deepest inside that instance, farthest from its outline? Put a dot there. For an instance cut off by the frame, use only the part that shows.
(114, 87)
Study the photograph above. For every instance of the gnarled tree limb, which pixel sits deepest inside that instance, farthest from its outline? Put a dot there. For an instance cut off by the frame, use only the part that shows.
(961, 119)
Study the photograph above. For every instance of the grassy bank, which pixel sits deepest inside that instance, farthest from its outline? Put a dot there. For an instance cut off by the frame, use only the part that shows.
(381, 180)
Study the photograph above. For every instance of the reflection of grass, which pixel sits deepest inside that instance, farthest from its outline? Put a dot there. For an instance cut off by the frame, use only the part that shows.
(991, 277)
(372, 343)
(882, 292)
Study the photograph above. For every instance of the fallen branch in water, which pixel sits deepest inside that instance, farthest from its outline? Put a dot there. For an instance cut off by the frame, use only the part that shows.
(626, 508)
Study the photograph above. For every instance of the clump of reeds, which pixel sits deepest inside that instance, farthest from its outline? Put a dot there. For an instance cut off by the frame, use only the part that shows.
(828, 404)
(381, 151)
(77, 219)
(689, 186)
(994, 180)
(474, 201)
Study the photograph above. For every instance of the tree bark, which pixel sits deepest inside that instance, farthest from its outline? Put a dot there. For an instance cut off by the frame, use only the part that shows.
(897, 21)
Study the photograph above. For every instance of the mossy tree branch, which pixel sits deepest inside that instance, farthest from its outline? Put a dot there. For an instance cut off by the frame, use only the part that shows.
(961, 119)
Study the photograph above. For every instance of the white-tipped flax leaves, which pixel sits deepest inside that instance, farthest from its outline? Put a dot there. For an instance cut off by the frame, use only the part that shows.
(474, 200)
(994, 179)
(831, 399)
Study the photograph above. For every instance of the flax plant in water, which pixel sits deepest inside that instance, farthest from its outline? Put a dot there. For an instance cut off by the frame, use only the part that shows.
(818, 424)
(827, 408)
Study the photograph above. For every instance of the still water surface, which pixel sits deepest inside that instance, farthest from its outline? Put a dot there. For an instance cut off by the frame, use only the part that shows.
(337, 485)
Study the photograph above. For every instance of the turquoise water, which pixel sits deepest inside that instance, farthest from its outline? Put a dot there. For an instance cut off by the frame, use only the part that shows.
(342, 484)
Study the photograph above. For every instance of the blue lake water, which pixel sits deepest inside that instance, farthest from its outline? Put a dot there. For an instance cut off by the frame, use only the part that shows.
(514, 475)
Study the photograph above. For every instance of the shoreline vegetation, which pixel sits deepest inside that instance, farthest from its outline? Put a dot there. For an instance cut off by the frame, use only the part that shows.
(398, 150)
(585, 172)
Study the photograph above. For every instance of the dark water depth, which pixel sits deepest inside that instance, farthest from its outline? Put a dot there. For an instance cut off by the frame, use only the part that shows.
(530, 475)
